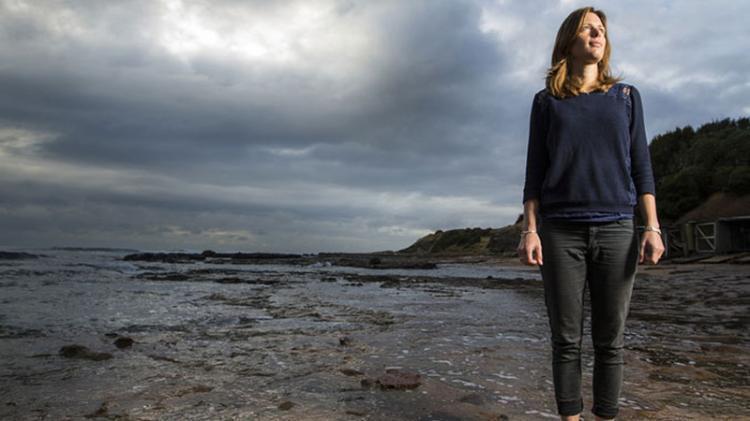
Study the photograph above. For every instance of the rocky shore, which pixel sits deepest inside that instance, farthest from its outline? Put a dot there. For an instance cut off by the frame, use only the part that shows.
(384, 260)
(365, 260)
(468, 340)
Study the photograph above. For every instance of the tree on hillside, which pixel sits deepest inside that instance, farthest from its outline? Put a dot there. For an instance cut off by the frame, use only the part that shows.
(689, 165)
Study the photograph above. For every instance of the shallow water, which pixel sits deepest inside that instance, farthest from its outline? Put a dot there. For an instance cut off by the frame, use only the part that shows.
(236, 341)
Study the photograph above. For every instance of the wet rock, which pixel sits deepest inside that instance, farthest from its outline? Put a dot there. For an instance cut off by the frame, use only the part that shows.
(164, 257)
(204, 276)
(261, 281)
(356, 412)
(208, 254)
(396, 378)
(442, 416)
(216, 296)
(286, 405)
(351, 372)
(199, 388)
(502, 417)
(390, 283)
(472, 398)
(173, 276)
(102, 411)
(162, 358)
(287, 312)
(375, 317)
(123, 342)
(14, 255)
(17, 332)
(80, 351)
(156, 328)
(259, 255)
(254, 372)
(230, 280)
(377, 261)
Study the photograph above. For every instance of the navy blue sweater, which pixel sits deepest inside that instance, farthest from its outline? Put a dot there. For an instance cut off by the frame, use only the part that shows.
(588, 156)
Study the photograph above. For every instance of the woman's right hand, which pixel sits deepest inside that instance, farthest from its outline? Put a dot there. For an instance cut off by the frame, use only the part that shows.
(530, 249)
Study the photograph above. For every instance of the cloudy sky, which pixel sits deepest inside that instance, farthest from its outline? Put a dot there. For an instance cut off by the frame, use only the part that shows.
(305, 126)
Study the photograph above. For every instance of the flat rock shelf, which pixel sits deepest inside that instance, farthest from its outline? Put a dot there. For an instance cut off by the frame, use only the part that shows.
(86, 334)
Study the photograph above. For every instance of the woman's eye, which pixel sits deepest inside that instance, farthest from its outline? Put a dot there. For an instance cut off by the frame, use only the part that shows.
(589, 27)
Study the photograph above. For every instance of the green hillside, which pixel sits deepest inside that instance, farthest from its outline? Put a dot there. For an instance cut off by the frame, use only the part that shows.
(463, 241)
(690, 165)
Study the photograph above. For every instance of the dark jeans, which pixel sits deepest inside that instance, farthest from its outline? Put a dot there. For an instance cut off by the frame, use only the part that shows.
(603, 255)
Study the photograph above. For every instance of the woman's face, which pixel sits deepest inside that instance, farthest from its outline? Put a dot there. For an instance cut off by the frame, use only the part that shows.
(590, 42)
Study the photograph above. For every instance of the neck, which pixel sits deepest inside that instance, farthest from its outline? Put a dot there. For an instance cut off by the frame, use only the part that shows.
(584, 73)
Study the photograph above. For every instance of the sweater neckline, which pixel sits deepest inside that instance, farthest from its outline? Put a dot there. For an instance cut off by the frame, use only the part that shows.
(612, 91)
(600, 92)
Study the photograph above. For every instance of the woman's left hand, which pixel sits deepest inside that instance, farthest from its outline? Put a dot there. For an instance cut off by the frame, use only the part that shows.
(651, 247)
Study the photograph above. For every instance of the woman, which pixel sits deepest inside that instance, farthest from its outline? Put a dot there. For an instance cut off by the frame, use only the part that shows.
(587, 167)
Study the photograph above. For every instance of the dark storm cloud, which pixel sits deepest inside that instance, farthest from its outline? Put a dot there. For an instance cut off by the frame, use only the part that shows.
(303, 125)
(420, 90)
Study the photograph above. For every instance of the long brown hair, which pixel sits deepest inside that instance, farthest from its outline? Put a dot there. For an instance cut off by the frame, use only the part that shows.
(558, 79)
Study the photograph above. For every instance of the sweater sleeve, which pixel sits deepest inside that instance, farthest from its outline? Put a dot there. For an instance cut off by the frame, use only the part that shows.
(641, 171)
(537, 158)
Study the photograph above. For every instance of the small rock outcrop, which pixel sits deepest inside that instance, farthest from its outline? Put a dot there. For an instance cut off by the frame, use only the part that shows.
(80, 351)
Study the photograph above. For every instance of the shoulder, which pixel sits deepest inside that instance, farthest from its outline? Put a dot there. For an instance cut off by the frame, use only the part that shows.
(620, 89)
(540, 103)
(629, 89)
(541, 95)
